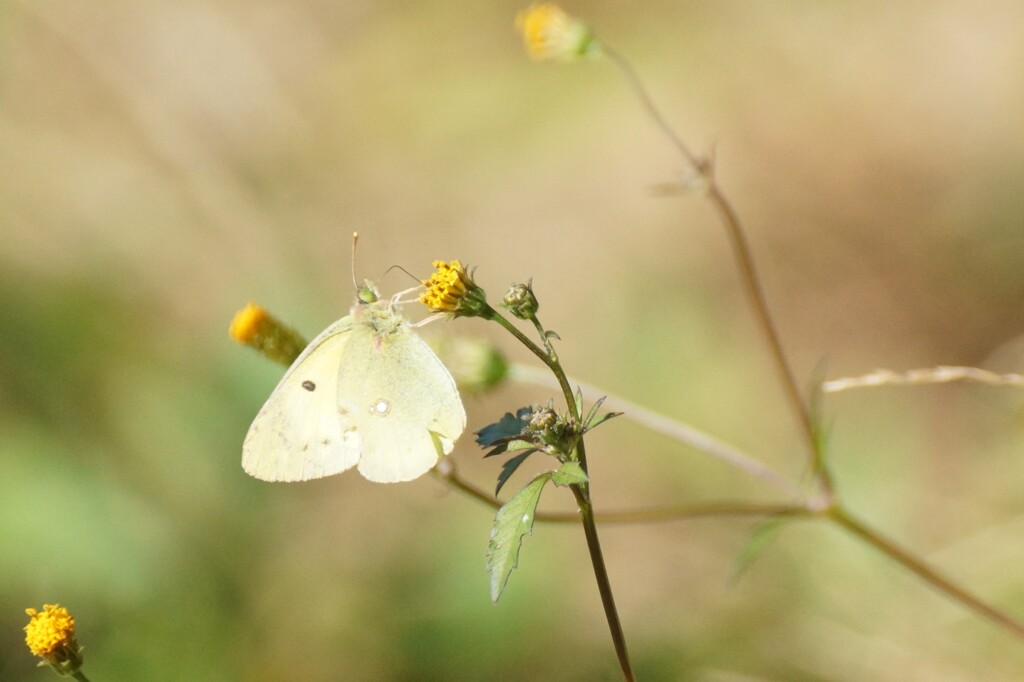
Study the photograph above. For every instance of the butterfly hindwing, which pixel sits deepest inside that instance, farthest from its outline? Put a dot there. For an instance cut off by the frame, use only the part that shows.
(401, 403)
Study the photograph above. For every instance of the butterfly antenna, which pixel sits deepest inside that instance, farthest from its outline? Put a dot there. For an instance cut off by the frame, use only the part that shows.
(355, 241)
(399, 267)
(396, 299)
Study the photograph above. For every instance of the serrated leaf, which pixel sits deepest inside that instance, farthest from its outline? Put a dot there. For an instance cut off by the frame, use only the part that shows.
(513, 521)
(570, 473)
(509, 468)
(509, 426)
(759, 541)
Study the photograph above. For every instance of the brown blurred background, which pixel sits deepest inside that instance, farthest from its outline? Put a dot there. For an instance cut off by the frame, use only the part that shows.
(165, 162)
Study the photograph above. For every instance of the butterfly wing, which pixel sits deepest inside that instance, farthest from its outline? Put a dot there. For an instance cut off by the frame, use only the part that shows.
(298, 434)
(398, 402)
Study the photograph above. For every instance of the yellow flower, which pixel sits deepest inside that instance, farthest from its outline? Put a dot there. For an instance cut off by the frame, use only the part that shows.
(451, 290)
(50, 634)
(49, 630)
(550, 33)
(254, 326)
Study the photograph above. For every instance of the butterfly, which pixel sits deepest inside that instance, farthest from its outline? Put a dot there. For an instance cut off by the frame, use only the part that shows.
(366, 392)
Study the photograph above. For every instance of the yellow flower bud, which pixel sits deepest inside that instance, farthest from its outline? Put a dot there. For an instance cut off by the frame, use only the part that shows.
(254, 326)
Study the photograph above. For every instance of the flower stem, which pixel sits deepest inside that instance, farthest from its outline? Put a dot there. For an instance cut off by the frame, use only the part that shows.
(581, 492)
(648, 103)
(549, 359)
(752, 285)
(917, 566)
(745, 262)
(80, 676)
(586, 515)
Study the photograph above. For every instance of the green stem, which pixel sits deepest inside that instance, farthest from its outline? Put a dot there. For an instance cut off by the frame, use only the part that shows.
(550, 358)
(581, 492)
(544, 335)
(586, 515)
(80, 676)
(547, 359)
(938, 581)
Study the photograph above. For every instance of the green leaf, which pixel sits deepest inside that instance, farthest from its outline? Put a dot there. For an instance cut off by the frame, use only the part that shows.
(759, 541)
(509, 468)
(511, 446)
(509, 426)
(601, 419)
(513, 521)
(593, 411)
(594, 420)
(570, 473)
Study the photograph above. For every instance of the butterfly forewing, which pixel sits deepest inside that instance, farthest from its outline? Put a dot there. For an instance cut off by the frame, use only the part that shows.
(297, 434)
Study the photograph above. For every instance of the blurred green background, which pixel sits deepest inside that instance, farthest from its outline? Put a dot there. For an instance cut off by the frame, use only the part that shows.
(165, 162)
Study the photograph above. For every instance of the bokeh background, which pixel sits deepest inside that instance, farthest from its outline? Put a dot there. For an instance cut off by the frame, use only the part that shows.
(165, 162)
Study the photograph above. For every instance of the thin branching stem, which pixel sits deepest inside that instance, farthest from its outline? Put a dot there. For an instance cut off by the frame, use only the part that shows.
(448, 473)
(684, 512)
(648, 103)
(752, 285)
(673, 428)
(745, 262)
(925, 572)
(836, 514)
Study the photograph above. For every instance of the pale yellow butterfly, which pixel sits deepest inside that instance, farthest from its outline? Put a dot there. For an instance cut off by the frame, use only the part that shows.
(366, 392)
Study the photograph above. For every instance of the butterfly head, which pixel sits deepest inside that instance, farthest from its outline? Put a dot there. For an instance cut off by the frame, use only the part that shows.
(367, 293)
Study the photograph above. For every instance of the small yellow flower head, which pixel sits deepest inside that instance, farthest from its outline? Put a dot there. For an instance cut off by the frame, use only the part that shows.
(254, 326)
(451, 290)
(550, 33)
(51, 636)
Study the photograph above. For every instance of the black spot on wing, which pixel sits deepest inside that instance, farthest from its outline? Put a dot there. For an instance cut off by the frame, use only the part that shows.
(309, 385)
